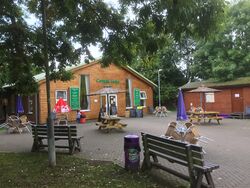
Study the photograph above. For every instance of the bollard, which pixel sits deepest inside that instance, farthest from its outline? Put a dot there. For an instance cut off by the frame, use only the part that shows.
(132, 152)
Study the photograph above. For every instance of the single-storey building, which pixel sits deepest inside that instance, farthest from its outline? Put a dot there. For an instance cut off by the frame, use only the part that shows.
(234, 96)
(88, 78)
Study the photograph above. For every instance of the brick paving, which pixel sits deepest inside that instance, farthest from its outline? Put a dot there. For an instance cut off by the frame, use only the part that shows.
(229, 149)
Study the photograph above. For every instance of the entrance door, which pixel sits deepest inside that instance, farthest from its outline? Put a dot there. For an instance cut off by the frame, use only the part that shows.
(237, 100)
(104, 103)
(113, 104)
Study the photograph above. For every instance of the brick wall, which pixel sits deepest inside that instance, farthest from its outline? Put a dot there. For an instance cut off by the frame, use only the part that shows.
(223, 100)
(95, 72)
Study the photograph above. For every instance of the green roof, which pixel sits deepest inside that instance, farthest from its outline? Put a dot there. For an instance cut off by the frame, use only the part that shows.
(243, 81)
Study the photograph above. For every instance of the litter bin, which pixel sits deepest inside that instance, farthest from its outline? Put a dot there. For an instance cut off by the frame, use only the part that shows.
(83, 117)
(132, 113)
(139, 113)
(132, 152)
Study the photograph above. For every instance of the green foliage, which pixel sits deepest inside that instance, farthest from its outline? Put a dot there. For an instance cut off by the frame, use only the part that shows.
(226, 57)
(15, 48)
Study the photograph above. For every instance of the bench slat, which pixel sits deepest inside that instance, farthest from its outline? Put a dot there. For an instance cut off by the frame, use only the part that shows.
(169, 158)
(164, 151)
(148, 136)
(166, 145)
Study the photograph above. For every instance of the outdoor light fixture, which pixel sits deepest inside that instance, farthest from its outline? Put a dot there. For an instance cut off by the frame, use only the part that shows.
(159, 87)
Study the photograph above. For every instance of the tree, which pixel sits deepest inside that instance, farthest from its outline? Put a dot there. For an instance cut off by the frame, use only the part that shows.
(62, 25)
(16, 49)
(156, 19)
(164, 37)
(227, 56)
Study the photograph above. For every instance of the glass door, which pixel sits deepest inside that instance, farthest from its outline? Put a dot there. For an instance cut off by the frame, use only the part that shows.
(113, 104)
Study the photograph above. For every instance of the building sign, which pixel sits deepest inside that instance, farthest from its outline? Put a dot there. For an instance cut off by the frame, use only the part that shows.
(107, 81)
(74, 98)
(137, 97)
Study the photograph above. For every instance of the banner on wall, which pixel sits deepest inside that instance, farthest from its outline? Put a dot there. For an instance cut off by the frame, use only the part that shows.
(74, 93)
(136, 97)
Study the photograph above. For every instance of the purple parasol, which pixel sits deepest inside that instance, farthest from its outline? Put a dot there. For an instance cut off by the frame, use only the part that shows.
(19, 105)
(181, 111)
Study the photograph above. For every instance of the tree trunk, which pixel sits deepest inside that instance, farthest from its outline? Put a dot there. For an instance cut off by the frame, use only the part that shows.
(51, 138)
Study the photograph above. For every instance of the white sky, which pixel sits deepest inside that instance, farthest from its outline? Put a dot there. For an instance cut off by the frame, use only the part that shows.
(95, 51)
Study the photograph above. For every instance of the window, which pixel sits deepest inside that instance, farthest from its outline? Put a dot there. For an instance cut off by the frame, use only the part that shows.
(143, 98)
(30, 105)
(61, 94)
(209, 97)
(84, 91)
(128, 93)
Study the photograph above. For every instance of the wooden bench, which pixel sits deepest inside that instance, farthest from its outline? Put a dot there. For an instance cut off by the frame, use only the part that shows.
(210, 118)
(237, 115)
(190, 156)
(217, 118)
(61, 132)
(198, 119)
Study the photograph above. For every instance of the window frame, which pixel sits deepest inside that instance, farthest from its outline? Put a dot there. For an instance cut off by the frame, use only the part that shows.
(210, 97)
(87, 84)
(144, 98)
(66, 95)
(129, 81)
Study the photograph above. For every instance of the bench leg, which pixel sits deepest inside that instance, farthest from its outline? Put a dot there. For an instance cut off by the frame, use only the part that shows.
(146, 164)
(37, 144)
(155, 158)
(198, 181)
(71, 145)
(218, 121)
(209, 179)
(77, 145)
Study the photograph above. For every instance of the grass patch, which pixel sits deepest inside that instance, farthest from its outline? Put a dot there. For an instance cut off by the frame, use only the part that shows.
(31, 170)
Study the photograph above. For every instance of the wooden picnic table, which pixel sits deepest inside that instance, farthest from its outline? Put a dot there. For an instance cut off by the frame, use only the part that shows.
(110, 122)
(205, 115)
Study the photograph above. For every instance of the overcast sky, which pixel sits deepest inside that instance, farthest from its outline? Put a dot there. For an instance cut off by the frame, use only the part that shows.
(94, 49)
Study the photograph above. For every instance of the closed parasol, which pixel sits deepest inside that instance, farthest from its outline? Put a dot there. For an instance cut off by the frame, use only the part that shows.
(181, 111)
(19, 105)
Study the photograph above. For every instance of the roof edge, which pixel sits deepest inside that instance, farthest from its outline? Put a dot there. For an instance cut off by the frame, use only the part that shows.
(133, 71)
(40, 78)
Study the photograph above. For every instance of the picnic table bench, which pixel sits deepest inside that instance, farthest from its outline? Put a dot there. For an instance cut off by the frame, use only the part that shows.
(206, 115)
(188, 155)
(108, 123)
(61, 132)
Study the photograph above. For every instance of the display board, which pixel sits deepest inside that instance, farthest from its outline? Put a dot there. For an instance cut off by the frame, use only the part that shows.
(74, 98)
(136, 97)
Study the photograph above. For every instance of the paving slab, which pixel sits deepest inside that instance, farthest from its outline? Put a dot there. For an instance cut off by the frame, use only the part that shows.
(229, 148)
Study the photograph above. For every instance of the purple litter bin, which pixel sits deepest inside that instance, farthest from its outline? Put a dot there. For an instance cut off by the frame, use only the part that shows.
(132, 152)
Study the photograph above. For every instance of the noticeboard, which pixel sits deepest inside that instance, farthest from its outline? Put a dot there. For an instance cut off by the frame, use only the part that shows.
(137, 97)
(74, 98)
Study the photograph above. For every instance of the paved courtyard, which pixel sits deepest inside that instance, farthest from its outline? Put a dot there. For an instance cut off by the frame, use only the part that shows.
(229, 147)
